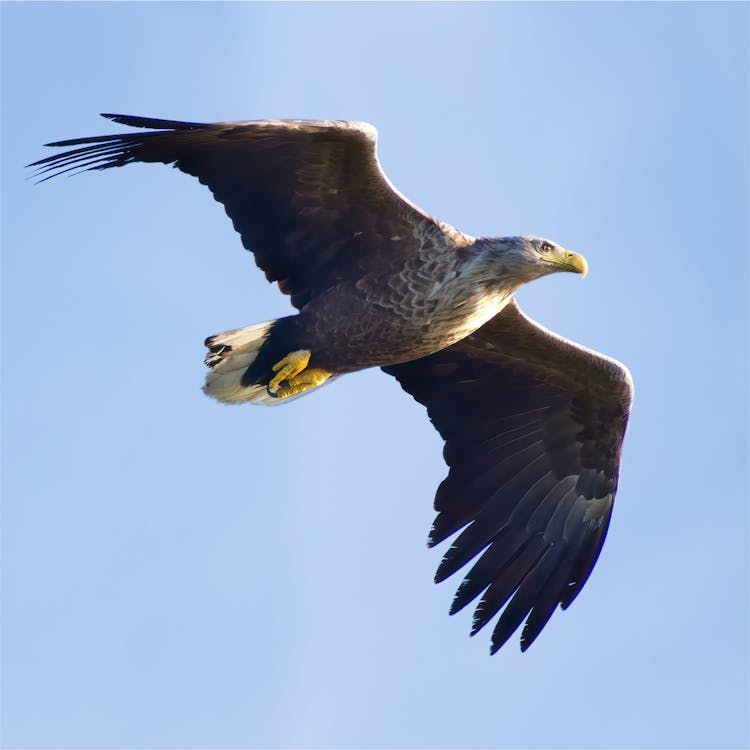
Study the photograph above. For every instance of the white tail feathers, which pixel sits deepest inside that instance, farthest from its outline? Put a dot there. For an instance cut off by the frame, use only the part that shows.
(229, 355)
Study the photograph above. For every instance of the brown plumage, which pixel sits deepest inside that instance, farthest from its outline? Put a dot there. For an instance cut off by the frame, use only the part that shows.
(533, 424)
(533, 428)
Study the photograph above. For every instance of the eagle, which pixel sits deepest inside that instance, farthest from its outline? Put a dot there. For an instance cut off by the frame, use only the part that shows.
(533, 424)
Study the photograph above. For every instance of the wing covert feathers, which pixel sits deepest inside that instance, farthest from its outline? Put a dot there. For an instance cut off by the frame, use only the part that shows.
(308, 197)
(533, 428)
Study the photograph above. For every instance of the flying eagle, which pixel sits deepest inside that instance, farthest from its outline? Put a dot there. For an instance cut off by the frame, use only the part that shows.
(533, 424)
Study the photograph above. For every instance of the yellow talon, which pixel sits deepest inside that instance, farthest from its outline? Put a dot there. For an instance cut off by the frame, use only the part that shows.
(292, 369)
(293, 364)
(311, 378)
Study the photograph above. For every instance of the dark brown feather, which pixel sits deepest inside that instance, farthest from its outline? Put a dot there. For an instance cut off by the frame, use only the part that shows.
(308, 198)
(533, 428)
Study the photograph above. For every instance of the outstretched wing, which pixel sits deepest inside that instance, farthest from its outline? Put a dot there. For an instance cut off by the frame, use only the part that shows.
(533, 428)
(308, 197)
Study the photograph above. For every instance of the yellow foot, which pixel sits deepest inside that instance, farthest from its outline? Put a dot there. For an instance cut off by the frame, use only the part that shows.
(311, 378)
(287, 368)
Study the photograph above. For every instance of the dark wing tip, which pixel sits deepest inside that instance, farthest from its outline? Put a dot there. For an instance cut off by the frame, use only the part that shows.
(104, 151)
(135, 121)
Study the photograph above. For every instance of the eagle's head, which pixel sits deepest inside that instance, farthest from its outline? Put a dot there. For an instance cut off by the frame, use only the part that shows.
(528, 258)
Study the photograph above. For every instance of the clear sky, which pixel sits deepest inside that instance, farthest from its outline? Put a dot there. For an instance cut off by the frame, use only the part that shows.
(183, 574)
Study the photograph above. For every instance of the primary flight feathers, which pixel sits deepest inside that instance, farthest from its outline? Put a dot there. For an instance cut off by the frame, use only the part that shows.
(533, 424)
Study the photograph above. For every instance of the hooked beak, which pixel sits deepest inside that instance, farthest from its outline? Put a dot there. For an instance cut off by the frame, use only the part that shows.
(575, 262)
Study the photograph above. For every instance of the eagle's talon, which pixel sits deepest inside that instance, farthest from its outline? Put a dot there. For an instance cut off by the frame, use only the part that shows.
(310, 378)
(288, 367)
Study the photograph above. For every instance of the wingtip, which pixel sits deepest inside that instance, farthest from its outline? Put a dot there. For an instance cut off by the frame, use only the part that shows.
(477, 623)
(465, 594)
(457, 605)
(132, 121)
(152, 123)
(500, 639)
(444, 571)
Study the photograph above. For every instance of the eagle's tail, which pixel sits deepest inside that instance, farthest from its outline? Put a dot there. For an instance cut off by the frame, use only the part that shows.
(229, 356)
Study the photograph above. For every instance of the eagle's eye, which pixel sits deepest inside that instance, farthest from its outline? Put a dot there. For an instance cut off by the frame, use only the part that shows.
(545, 248)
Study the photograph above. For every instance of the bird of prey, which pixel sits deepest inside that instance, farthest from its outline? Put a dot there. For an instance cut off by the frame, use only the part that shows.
(533, 424)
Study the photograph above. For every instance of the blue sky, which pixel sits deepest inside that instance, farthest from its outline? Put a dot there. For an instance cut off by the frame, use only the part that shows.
(178, 573)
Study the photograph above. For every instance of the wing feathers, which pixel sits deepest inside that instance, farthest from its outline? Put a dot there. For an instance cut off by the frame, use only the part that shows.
(533, 429)
(505, 582)
(152, 122)
(548, 595)
(308, 198)
(543, 513)
(490, 515)
(587, 557)
(528, 592)
(504, 548)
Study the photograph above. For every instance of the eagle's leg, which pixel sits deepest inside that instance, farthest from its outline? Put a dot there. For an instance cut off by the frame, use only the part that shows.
(311, 378)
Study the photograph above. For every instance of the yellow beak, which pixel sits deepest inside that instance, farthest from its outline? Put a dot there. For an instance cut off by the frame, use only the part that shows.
(575, 262)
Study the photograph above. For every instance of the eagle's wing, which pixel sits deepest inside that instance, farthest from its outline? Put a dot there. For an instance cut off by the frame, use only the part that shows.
(308, 197)
(533, 428)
